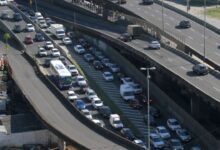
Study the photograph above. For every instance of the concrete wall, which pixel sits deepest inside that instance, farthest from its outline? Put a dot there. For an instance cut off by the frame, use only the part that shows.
(44, 137)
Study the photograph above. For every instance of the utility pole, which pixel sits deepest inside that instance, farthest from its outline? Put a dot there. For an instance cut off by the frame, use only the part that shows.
(204, 54)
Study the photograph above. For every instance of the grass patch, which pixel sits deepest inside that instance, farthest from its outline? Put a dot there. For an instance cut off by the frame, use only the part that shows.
(214, 12)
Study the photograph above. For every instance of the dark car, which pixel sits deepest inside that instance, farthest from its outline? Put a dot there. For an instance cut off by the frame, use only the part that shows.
(98, 65)
(126, 37)
(5, 16)
(39, 37)
(155, 112)
(84, 43)
(17, 28)
(79, 104)
(135, 104)
(17, 17)
(184, 24)
(31, 12)
(143, 99)
(28, 40)
(200, 69)
(47, 62)
(63, 59)
(152, 120)
(88, 57)
(105, 111)
(127, 133)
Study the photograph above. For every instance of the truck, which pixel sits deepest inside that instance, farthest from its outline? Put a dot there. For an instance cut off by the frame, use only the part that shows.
(127, 92)
(57, 30)
(115, 121)
(134, 30)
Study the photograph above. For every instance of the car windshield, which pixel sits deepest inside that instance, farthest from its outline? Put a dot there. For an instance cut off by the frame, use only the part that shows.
(136, 86)
(60, 32)
(116, 121)
(163, 131)
(86, 113)
(98, 102)
(72, 67)
(108, 74)
(91, 93)
(81, 79)
(176, 143)
(55, 50)
(174, 123)
(184, 133)
(128, 93)
(157, 139)
(66, 80)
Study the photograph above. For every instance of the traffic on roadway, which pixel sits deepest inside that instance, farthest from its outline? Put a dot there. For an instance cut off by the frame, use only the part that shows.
(193, 34)
(45, 103)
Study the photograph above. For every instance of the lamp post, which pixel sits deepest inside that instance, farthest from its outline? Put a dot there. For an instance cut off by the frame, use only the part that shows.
(162, 16)
(35, 1)
(204, 30)
(148, 102)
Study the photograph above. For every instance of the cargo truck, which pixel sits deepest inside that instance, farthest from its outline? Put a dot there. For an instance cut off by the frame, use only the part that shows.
(57, 30)
(134, 30)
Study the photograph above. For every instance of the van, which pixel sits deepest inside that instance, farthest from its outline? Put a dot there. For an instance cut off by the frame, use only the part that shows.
(127, 92)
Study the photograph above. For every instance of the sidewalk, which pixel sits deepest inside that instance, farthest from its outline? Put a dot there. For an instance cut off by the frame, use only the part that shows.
(197, 11)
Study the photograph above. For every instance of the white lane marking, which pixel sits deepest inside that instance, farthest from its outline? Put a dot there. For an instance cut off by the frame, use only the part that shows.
(183, 68)
(157, 52)
(217, 53)
(217, 89)
(192, 29)
(167, 24)
(170, 59)
(190, 37)
(199, 78)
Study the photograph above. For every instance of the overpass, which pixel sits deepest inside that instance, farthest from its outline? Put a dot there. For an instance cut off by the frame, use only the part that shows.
(48, 106)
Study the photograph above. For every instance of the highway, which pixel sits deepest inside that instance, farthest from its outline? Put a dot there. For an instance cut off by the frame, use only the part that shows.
(176, 64)
(46, 104)
(193, 36)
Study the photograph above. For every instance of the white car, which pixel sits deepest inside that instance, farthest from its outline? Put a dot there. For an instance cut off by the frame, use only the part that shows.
(137, 88)
(163, 132)
(108, 76)
(200, 69)
(173, 124)
(97, 103)
(81, 81)
(114, 68)
(42, 23)
(42, 52)
(79, 49)
(49, 45)
(127, 80)
(90, 94)
(72, 69)
(154, 45)
(98, 122)
(71, 96)
(55, 52)
(156, 141)
(86, 113)
(140, 143)
(67, 41)
(30, 27)
(184, 135)
(3, 2)
(38, 15)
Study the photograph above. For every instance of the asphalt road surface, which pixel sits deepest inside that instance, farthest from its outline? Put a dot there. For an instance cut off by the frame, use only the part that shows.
(176, 64)
(193, 36)
(46, 104)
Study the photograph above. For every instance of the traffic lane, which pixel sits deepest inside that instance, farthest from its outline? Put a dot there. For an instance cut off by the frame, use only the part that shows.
(23, 34)
(52, 110)
(208, 83)
(76, 17)
(193, 36)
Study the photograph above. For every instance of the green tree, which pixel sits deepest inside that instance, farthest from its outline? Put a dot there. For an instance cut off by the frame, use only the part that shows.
(6, 37)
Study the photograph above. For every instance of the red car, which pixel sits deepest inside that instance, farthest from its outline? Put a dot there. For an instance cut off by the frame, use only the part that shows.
(28, 40)
(143, 99)
(135, 104)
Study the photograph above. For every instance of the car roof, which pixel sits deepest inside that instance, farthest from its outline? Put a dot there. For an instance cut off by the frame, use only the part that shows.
(71, 92)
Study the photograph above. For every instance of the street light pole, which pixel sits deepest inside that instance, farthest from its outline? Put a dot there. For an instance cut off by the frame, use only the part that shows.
(204, 31)
(148, 103)
(162, 16)
(36, 5)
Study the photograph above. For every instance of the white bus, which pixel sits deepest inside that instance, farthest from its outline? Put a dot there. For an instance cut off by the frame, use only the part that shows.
(61, 74)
